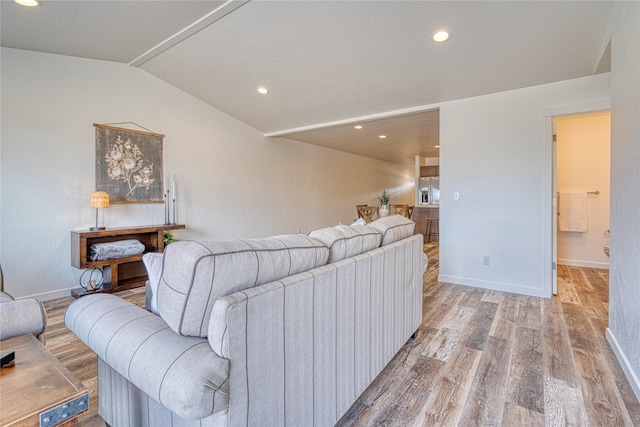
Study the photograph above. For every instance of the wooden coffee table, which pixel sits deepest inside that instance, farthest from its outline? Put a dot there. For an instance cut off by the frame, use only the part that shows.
(38, 390)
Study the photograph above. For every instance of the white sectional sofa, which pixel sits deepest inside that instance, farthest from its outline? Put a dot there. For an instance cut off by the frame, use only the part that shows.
(286, 330)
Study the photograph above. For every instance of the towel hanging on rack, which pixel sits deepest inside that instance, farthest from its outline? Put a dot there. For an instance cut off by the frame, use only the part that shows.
(572, 212)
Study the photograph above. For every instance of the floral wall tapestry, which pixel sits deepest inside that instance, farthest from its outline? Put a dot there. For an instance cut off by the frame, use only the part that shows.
(129, 164)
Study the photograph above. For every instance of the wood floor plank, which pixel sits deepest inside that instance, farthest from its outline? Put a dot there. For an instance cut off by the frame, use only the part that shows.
(456, 318)
(580, 331)
(622, 384)
(490, 295)
(437, 310)
(472, 297)
(567, 291)
(444, 405)
(405, 407)
(479, 327)
(563, 404)
(526, 385)
(515, 415)
(485, 403)
(506, 318)
(598, 283)
(603, 402)
(557, 357)
(403, 375)
(529, 315)
(593, 306)
(578, 277)
(443, 345)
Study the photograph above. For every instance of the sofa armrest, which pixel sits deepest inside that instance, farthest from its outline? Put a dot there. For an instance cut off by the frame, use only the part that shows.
(20, 317)
(182, 373)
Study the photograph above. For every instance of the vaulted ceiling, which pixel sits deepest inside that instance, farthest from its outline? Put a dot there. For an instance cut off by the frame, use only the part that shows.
(328, 64)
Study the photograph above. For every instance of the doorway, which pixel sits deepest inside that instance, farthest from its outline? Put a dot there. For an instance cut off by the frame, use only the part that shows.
(576, 183)
(583, 156)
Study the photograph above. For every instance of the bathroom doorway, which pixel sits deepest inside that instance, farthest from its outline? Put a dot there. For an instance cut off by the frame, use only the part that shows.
(580, 168)
(583, 172)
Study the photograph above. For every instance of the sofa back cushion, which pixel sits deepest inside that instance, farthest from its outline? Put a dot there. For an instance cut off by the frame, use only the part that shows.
(393, 228)
(196, 274)
(347, 241)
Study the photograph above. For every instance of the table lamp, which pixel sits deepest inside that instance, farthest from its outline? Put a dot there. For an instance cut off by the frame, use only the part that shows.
(99, 199)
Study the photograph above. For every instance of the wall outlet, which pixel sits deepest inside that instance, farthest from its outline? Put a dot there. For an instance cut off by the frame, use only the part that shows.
(486, 260)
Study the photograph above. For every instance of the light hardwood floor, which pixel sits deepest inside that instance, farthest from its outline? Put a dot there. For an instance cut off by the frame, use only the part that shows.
(480, 358)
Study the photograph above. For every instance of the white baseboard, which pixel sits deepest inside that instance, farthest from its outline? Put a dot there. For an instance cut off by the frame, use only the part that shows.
(624, 363)
(46, 296)
(494, 286)
(588, 264)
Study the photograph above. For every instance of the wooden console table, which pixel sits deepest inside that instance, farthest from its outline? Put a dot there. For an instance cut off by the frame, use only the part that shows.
(38, 390)
(121, 273)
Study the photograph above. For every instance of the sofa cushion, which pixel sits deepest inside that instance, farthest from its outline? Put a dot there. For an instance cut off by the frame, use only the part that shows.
(347, 241)
(393, 228)
(196, 274)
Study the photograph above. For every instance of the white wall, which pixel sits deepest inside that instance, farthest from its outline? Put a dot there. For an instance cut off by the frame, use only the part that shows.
(232, 182)
(624, 272)
(493, 153)
(583, 166)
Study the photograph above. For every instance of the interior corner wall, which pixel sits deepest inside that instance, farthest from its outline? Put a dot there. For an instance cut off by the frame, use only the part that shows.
(583, 166)
(624, 270)
(493, 155)
(232, 182)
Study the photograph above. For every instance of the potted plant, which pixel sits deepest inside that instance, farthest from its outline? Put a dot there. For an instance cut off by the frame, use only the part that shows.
(168, 238)
(384, 203)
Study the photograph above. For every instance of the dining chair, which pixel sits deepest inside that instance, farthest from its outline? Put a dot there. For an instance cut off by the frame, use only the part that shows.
(410, 212)
(358, 210)
(369, 213)
(399, 210)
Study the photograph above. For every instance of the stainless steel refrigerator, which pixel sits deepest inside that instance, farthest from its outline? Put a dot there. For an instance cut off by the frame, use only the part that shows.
(429, 190)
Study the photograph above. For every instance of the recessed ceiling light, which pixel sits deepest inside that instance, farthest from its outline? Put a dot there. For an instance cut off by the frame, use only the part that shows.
(436, 146)
(263, 90)
(358, 127)
(440, 36)
(29, 3)
(382, 136)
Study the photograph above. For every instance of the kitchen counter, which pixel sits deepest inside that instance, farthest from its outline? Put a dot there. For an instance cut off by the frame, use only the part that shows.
(420, 214)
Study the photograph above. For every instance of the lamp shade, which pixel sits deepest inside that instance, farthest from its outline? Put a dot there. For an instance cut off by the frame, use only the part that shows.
(100, 199)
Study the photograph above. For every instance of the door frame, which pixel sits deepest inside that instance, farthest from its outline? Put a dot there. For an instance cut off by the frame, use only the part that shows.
(550, 182)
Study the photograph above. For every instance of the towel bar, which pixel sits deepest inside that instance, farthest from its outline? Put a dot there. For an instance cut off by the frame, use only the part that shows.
(588, 192)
